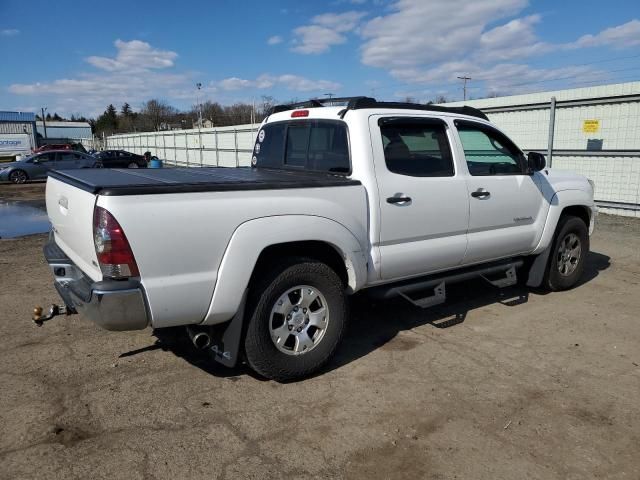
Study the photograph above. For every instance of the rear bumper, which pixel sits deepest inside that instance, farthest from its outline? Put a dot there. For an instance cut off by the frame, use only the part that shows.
(117, 305)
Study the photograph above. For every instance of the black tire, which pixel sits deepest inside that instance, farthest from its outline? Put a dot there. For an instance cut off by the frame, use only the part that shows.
(569, 227)
(18, 177)
(261, 352)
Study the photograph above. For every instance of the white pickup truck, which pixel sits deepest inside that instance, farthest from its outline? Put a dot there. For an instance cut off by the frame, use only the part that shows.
(258, 262)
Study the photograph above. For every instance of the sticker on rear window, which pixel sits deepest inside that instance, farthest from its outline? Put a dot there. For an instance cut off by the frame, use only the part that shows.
(261, 135)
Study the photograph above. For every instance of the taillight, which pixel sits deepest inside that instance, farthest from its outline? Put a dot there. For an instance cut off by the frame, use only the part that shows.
(112, 247)
(299, 113)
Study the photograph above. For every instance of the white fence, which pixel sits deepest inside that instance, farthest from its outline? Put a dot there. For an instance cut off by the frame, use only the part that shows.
(219, 146)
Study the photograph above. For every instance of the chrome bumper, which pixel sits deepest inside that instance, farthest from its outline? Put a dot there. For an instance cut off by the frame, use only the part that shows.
(117, 305)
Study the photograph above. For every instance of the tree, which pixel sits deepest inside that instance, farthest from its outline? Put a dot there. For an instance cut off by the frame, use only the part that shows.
(155, 113)
(107, 123)
(125, 110)
(57, 117)
(48, 117)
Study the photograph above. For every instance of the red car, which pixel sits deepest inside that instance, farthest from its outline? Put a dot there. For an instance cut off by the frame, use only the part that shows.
(60, 146)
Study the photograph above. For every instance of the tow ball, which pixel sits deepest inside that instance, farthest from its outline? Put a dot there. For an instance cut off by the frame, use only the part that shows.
(54, 310)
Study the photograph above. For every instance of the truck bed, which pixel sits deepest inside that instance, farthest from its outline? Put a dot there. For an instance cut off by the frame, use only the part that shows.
(115, 182)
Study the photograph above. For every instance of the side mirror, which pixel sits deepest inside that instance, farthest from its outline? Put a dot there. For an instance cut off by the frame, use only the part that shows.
(536, 161)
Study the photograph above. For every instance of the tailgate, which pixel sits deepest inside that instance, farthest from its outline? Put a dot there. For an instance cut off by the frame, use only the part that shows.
(70, 212)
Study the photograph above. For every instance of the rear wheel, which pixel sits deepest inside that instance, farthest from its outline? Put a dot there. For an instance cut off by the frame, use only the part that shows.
(298, 319)
(570, 248)
(132, 165)
(18, 176)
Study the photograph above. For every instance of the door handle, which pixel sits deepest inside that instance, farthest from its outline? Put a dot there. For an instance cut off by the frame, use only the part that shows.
(399, 200)
(480, 193)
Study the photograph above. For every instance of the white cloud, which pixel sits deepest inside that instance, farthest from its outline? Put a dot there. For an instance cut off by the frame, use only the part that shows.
(134, 55)
(433, 42)
(9, 32)
(288, 81)
(275, 40)
(421, 32)
(313, 39)
(325, 31)
(625, 35)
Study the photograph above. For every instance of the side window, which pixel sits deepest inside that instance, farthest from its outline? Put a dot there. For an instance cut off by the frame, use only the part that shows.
(45, 158)
(416, 147)
(488, 152)
(268, 151)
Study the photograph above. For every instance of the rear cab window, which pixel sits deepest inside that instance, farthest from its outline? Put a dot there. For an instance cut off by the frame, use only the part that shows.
(314, 145)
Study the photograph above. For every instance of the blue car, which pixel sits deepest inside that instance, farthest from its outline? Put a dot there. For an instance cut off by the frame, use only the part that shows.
(37, 166)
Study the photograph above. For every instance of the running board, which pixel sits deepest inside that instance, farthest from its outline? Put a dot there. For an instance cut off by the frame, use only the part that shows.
(413, 290)
(509, 279)
(439, 296)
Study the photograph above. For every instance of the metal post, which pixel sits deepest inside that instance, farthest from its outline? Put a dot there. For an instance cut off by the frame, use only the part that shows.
(552, 124)
(235, 140)
(186, 146)
(164, 149)
(44, 122)
(200, 143)
(215, 137)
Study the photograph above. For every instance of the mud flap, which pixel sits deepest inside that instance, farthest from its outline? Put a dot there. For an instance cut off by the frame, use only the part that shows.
(538, 268)
(225, 345)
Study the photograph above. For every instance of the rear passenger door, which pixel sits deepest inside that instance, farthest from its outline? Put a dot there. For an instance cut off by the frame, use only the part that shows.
(424, 204)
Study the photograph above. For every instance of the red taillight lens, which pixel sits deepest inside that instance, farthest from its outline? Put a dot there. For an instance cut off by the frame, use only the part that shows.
(112, 247)
(299, 113)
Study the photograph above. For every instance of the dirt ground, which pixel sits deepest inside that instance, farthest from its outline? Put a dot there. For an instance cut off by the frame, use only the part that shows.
(491, 385)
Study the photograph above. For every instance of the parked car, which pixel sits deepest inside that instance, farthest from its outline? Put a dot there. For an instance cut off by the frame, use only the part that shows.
(38, 166)
(60, 146)
(121, 159)
(394, 199)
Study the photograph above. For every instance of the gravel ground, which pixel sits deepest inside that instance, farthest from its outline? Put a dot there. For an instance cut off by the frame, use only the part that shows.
(491, 385)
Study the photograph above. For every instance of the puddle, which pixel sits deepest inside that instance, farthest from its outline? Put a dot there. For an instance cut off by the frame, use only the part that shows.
(18, 218)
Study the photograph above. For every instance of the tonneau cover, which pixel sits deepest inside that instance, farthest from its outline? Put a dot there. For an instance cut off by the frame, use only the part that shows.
(206, 179)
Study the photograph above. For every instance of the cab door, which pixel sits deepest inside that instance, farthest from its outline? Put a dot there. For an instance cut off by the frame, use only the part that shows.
(423, 199)
(507, 208)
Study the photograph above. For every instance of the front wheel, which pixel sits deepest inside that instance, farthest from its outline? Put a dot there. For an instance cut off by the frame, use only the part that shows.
(569, 251)
(132, 165)
(298, 320)
(18, 176)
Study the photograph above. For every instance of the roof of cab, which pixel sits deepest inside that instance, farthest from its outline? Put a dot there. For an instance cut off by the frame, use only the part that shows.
(340, 106)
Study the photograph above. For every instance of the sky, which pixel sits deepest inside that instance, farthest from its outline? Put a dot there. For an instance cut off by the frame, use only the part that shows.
(76, 57)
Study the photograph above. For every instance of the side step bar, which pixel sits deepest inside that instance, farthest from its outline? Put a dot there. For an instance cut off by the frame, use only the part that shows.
(436, 284)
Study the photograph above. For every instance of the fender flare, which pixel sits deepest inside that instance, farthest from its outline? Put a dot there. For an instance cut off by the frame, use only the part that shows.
(252, 237)
(559, 201)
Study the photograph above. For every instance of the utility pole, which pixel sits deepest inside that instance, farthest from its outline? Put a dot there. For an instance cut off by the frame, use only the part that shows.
(464, 86)
(330, 95)
(44, 122)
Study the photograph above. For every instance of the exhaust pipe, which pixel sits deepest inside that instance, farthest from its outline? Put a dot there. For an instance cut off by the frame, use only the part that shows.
(200, 338)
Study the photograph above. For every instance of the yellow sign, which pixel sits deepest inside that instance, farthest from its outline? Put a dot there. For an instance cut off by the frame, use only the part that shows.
(591, 126)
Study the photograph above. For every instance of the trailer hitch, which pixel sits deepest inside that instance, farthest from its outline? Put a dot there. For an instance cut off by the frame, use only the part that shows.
(54, 310)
